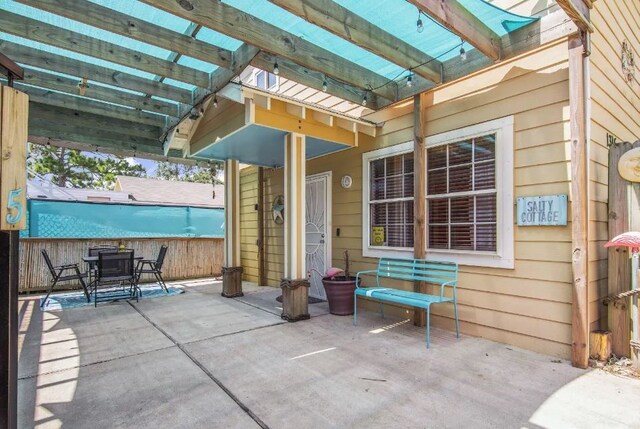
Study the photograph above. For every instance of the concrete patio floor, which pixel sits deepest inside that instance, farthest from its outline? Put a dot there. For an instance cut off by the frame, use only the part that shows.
(198, 360)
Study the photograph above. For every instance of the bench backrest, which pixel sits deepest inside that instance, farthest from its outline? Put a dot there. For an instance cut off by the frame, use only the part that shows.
(424, 270)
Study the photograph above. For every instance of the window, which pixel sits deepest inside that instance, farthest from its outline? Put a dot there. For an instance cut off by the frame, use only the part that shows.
(388, 201)
(265, 80)
(469, 199)
(461, 195)
(469, 194)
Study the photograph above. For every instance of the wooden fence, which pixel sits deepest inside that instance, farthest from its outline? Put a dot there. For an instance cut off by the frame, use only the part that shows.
(187, 257)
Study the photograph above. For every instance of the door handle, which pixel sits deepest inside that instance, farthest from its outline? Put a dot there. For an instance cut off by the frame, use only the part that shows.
(321, 241)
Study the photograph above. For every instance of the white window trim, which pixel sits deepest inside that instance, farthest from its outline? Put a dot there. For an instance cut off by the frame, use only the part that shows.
(504, 255)
(254, 80)
(367, 249)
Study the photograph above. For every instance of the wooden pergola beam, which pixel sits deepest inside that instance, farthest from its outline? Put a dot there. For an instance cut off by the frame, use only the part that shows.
(547, 29)
(97, 92)
(42, 32)
(57, 63)
(54, 114)
(126, 25)
(342, 22)
(242, 26)
(92, 136)
(579, 12)
(52, 98)
(8, 67)
(457, 19)
(314, 79)
(105, 146)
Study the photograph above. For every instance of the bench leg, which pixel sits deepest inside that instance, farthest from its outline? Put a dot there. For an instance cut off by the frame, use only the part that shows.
(355, 309)
(455, 312)
(428, 323)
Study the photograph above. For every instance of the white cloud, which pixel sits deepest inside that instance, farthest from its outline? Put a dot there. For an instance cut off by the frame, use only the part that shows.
(132, 161)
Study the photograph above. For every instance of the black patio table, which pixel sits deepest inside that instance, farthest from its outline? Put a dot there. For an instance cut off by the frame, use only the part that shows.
(113, 277)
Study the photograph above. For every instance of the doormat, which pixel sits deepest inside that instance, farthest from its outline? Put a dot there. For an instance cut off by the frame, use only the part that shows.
(62, 301)
(312, 300)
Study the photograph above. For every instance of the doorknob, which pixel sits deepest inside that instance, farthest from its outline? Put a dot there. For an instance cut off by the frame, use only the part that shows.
(321, 241)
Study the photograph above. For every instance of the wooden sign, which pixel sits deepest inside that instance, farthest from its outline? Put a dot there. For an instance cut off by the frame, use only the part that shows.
(547, 210)
(14, 116)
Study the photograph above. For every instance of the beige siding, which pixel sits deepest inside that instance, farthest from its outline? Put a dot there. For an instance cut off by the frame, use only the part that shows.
(615, 108)
(529, 306)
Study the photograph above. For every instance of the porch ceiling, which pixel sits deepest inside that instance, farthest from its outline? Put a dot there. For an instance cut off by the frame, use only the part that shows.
(153, 61)
(263, 146)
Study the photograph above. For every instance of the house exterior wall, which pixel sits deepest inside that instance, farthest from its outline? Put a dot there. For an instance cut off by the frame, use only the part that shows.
(528, 306)
(615, 110)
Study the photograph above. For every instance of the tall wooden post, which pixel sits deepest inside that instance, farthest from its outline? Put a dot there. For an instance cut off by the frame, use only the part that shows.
(295, 284)
(620, 196)
(579, 202)
(232, 269)
(14, 111)
(261, 245)
(419, 192)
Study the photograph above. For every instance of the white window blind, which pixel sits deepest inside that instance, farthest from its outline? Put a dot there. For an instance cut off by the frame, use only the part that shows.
(462, 195)
(391, 201)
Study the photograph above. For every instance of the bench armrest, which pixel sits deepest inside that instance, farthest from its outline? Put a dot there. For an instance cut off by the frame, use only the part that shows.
(364, 272)
(449, 283)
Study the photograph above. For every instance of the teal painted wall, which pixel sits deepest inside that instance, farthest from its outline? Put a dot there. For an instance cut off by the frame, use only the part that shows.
(72, 219)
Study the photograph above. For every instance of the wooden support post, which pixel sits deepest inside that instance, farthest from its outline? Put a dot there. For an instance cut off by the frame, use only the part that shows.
(295, 284)
(261, 246)
(232, 269)
(579, 201)
(619, 262)
(14, 112)
(420, 192)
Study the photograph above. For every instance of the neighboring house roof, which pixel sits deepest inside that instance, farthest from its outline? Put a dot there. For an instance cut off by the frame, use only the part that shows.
(146, 190)
(39, 189)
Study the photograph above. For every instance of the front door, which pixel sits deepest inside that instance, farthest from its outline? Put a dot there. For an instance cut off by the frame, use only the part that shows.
(318, 230)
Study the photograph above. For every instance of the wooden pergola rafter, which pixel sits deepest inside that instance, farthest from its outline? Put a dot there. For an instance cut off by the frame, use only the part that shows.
(157, 103)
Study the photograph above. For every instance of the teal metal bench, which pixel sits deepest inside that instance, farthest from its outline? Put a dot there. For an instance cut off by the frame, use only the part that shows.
(436, 272)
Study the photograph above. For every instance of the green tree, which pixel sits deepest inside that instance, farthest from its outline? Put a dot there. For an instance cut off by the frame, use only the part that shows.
(188, 173)
(69, 168)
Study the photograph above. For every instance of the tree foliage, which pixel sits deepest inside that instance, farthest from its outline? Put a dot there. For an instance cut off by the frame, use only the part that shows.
(71, 168)
(188, 173)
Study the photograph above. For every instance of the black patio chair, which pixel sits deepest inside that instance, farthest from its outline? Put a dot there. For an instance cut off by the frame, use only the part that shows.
(115, 268)
(94, 251)
(155, 268)
(59, 274)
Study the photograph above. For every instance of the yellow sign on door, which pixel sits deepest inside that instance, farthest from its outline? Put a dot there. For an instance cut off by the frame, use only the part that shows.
(377, 235)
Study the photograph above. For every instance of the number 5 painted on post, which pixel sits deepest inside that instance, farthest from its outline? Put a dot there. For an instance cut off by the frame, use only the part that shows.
(13, 204)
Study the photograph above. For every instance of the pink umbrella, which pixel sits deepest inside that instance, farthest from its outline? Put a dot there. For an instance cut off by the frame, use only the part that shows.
(626, 239)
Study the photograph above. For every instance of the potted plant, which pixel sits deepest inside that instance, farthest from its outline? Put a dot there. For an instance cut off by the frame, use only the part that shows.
(339, 287)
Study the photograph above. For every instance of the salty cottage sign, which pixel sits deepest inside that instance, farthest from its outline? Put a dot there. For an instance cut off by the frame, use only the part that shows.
(544, 210)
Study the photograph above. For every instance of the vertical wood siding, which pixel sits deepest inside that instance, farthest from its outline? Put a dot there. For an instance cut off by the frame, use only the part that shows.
(615, 106)
(187, 257)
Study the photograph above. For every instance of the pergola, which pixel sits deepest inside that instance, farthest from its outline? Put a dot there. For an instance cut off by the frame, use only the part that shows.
(159, 79)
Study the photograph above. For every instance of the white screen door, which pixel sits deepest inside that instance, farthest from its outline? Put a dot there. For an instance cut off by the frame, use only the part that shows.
(318, 230)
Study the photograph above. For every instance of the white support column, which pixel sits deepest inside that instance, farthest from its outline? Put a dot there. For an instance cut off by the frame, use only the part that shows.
(295, 285)
(232, 269)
